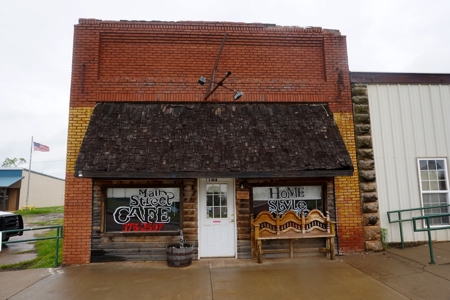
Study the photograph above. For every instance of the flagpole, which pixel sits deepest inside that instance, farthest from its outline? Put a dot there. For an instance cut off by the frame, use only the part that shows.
(29, 171)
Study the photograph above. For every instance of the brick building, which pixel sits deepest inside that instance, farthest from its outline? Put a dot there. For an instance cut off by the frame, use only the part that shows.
(151, 151)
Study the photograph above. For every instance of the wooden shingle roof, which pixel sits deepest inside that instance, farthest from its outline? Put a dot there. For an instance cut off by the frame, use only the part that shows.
(190, 140)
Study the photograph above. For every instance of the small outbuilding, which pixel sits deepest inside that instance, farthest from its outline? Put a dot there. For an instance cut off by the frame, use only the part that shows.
(21, 187)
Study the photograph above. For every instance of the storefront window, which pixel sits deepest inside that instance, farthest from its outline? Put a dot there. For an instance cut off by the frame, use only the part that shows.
(143, 209)
(279, 199)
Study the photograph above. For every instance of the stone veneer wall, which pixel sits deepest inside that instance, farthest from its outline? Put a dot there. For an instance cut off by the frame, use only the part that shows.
(366, 166)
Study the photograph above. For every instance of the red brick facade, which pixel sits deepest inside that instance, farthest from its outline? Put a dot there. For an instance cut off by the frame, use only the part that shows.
(159, 61)
(162, 61)
(77, 222)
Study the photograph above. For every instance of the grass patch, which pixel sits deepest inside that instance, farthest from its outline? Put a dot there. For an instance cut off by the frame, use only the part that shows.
(25, 252)
(46, 251)
(41, 210)
(58, 221)
(23, 265)
(384, 238)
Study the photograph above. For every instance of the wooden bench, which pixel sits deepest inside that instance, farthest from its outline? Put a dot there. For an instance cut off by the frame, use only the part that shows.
(292, 227)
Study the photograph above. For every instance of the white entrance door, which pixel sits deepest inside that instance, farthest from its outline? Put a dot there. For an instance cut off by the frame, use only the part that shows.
(217, 218)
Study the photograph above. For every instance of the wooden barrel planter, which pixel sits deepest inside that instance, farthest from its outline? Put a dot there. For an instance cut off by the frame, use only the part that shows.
(178, 256)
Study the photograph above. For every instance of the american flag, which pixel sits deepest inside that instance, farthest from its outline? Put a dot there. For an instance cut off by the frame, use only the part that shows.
(40, 147)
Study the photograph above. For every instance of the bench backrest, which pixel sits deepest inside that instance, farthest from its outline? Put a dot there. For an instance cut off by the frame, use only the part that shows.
(290, 221)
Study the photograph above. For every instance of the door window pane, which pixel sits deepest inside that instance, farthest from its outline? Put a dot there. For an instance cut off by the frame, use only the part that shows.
(216, 200)
(216, 212)
(209, 212)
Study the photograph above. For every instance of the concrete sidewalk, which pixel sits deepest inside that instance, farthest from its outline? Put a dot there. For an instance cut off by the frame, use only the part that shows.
(409, 271)
(396, 274)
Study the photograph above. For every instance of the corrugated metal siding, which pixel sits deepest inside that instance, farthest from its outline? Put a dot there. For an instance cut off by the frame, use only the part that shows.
(408, 122)
(11, 173)
(45, 190)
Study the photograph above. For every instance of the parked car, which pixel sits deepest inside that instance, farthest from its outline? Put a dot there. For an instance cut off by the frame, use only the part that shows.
(10, 221)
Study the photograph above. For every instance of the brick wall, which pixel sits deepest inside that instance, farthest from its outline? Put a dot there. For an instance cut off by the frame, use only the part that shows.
(77, 221)
(162, 61)
(78, 194)
(348, 205)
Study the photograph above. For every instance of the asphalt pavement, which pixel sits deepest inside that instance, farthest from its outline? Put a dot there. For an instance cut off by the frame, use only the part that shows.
(394, 274)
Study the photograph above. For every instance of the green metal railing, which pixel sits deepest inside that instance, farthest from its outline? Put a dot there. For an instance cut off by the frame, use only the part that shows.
(57, 237)
(400, 220)
(428, 229)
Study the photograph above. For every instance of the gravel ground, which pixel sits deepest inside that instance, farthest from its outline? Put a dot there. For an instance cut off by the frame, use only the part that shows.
(37, 219)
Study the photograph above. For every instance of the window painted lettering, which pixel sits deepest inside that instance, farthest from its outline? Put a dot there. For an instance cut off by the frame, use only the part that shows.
(149, 206)
(288, 192)
(123, 214)
(141, 227)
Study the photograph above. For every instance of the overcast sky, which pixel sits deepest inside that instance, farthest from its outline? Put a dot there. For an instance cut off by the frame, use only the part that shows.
(36, 50)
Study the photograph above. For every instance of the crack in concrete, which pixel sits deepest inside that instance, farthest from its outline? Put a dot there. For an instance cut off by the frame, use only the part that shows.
(210, 280)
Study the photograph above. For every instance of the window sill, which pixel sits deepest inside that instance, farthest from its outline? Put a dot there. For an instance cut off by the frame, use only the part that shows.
(139, 233)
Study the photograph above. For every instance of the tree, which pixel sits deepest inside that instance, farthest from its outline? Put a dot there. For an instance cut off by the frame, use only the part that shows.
(14, 162)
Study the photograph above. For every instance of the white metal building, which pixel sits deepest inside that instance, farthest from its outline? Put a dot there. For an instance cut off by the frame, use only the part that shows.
(44, 190)
(410, 129)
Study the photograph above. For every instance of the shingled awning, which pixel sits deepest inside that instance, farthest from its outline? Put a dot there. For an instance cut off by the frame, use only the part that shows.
(192, 140)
